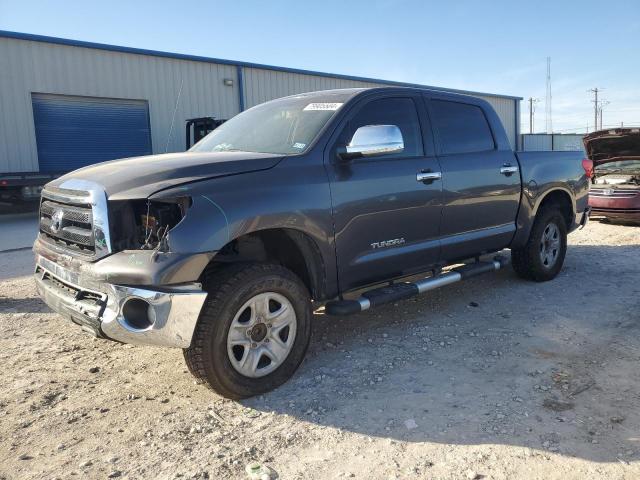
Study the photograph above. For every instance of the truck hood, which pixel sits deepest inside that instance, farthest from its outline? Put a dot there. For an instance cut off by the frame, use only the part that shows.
(607, 146)
(140, 177)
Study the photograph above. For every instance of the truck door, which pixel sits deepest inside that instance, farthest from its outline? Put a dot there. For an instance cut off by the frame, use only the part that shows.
(386, 205)
(480, 179)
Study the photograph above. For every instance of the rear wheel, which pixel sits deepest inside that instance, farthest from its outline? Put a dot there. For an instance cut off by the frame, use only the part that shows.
(253, 331)
(541, 259)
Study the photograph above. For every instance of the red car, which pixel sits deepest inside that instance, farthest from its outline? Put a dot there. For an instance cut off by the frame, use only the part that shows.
(613, 159)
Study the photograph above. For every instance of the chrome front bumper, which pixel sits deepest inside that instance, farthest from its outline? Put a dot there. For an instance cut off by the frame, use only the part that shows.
(100, 310)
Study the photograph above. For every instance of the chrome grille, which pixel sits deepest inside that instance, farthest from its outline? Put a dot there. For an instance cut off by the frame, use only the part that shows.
(69, 226)
(74, 218)
(614, 192)
(75, 214)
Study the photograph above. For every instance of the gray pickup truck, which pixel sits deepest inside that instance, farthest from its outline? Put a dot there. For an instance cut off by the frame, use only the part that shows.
(291, 206)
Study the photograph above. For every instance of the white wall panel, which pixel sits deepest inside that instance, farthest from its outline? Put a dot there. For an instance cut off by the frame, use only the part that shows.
(28, 66)
(547, 142)
(262, 85)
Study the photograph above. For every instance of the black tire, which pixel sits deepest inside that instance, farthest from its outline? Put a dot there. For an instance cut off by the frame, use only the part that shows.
(527, 261)
(229, 289)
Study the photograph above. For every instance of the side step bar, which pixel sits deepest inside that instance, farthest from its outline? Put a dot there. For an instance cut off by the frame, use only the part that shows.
(400, 291)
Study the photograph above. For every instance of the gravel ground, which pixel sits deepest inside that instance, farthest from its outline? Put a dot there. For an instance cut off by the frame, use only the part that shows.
(18, 230)
(493, 378)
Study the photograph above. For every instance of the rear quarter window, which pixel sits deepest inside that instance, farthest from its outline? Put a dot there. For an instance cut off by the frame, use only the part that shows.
(462, 128)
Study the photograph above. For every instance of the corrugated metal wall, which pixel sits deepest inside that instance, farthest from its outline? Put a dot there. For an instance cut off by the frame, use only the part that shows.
(506, 110)
(28, 67)
(262, 85)
(566, 142)
(536, 143)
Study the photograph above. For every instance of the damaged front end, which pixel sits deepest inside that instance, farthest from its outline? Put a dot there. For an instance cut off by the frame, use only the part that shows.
(145, 224)
(114, 268)
(615, 158)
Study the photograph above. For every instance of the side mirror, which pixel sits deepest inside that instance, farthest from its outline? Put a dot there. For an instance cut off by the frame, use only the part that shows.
(371, 140)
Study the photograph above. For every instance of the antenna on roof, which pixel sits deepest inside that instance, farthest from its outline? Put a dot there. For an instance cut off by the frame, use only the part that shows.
(173, 117)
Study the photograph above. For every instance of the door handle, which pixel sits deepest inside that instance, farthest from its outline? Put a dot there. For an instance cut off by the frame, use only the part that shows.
(427, 177)
(508, 170)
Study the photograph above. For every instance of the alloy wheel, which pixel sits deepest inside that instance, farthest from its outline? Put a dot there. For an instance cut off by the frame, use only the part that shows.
(550, 245)
(261, 334)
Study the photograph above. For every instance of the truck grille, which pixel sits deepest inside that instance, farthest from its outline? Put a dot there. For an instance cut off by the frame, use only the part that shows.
(613, 192)
(69, 226)
(74, 219)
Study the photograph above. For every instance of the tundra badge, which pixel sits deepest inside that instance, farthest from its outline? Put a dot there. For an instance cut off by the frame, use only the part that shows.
(387, 243)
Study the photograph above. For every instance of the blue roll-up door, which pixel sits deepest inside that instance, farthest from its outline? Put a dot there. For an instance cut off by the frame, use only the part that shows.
(72, 132)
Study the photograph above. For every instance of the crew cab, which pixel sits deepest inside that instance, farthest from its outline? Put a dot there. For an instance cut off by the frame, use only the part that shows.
(225, 250)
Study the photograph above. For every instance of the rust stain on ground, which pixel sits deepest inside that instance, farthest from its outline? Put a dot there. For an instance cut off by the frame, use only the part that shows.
(538, 352)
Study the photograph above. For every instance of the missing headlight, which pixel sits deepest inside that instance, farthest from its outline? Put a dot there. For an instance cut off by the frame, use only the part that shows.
(145, 224)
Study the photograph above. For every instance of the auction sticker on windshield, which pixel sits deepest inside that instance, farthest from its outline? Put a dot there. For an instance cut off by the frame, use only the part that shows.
(323, 106)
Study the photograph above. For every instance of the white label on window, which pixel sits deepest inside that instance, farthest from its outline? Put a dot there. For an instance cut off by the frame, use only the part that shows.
(299, 145)
(323, 106)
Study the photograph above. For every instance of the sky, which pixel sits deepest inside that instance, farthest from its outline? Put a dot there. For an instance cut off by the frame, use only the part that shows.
(488, 46)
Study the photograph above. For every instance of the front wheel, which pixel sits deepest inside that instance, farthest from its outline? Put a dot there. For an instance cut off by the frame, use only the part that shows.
(541, 259)
(253, 331)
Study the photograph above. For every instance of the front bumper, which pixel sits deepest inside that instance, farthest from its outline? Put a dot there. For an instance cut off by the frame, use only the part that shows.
(616, 207)
(624, 215)
(172, 311)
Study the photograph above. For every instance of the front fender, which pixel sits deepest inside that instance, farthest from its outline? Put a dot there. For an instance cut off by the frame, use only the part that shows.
(294, 195)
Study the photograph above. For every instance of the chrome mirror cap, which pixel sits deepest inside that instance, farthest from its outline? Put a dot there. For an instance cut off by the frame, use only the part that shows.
(371, 140)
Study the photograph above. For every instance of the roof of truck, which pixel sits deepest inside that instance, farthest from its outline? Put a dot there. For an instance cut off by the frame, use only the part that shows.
(352, 92)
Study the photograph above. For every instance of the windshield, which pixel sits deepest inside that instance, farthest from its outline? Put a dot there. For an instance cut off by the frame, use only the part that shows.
(622, 166)
(285, 126)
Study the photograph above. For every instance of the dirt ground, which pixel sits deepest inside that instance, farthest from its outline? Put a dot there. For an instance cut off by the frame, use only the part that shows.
(493, 378)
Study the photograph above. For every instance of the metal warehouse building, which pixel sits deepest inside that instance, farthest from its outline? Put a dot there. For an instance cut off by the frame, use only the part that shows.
(67, 103)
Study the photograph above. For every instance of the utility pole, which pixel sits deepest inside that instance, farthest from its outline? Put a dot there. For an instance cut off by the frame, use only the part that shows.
(600, 127)
(595, 108)
(603, 103)
(548, 99)
(532, 109)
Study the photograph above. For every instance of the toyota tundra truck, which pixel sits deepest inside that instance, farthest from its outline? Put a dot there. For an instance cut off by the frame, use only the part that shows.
(340, 200)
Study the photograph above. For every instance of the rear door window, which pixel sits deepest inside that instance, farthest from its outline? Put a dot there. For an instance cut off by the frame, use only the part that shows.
(462, 127)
